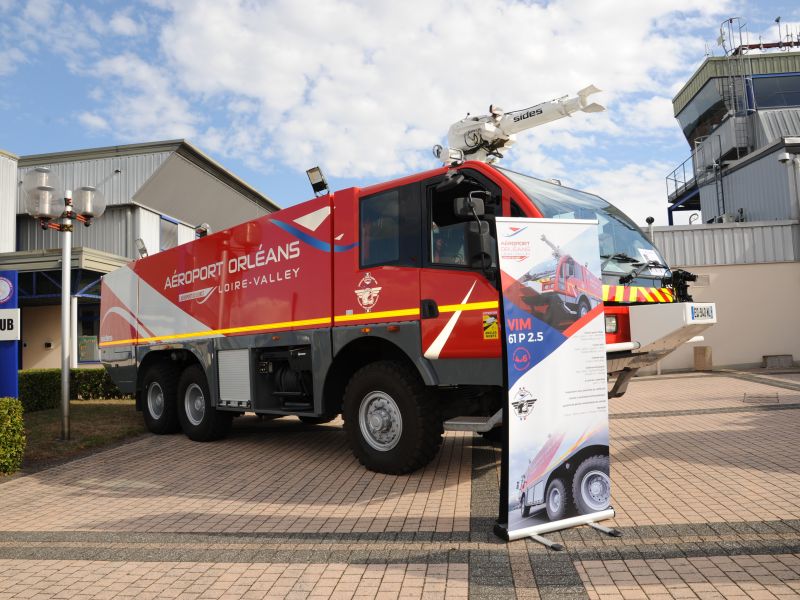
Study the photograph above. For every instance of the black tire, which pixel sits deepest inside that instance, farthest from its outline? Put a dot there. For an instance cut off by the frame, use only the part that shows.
(317, 420)
(557, 500)
(159, 400)
(591, 485)
(584, 307)
(199, 419)
(390, 392)
(525, 511)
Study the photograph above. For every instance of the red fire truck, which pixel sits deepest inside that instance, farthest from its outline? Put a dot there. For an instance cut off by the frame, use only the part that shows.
(560, 290)
(346, 305)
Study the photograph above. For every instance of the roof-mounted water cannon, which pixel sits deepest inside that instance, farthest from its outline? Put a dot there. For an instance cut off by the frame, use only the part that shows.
(486, 137)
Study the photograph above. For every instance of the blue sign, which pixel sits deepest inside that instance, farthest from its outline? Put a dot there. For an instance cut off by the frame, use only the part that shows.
(9, 350)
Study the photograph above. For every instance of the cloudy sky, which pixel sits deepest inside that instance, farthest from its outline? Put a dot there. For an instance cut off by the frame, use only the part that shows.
(363, 88)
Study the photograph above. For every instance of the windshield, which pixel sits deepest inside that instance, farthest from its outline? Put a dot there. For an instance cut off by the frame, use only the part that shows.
(542, 270)
(623, 246)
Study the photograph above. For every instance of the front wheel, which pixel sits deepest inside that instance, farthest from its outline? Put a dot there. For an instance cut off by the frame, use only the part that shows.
(557, 500)
(591, 485)
(392, 423)
(199, 419)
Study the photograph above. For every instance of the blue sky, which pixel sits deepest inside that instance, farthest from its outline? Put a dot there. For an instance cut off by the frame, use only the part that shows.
(363, 88)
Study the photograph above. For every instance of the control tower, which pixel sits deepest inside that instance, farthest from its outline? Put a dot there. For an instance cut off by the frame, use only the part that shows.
(740, 113)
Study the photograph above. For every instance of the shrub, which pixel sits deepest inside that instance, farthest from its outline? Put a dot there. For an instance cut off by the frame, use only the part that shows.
(12, 435)
(40, 389)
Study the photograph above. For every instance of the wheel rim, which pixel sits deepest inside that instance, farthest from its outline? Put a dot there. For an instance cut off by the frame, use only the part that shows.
(596, 490)
(155, 400)
(583, 310)
(380, 421)
(554, 500)
(194, 402)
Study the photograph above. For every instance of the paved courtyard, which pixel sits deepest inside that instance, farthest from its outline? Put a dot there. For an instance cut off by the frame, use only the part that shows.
(705, 483)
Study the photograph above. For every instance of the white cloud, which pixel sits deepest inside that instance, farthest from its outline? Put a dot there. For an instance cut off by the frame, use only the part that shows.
(653, 115)
(93, 121)
(143, 104)
(636, 189)
(371, 101)
(10, 59)
(122, 24)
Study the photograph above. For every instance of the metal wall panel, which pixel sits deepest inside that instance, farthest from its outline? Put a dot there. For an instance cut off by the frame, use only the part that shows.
(729, 244)
(110, 233)
(119, 188)
(186, 234)
(762, 188)
(8, 195)
(147, 229)
(775, 123)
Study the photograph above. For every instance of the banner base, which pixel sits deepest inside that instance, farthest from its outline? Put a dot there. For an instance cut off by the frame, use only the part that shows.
(501, 530)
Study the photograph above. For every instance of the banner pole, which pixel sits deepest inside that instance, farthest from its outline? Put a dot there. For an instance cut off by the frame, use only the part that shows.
(501, 526)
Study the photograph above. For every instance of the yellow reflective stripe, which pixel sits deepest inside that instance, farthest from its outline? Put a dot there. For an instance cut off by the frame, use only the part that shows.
(657, 294)
(619, 293)
(605, 293)
(448, 308)
(667, 294)
(646, 294)
(406, 312)
(247, 328)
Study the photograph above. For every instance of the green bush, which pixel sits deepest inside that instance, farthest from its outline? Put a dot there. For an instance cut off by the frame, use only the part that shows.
(40, 389)
(12, 435)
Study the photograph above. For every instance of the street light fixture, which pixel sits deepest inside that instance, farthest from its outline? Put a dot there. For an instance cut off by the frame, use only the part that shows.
(54, 210)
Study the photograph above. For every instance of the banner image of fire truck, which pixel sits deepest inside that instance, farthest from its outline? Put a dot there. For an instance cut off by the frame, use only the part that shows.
(557, 393)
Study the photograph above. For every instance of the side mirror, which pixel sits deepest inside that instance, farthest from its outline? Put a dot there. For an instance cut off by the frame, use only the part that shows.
(472, 205)
(481, 246)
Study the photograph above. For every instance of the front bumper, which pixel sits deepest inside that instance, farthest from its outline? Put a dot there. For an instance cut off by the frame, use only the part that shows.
(659, 329)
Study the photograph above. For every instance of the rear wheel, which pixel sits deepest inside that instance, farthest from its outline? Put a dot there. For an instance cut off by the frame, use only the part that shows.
(159, 402)
(392, 423)
(199, 420)
(591, 485)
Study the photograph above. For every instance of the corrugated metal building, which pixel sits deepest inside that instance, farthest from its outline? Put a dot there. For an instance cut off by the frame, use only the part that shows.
(156, 193)
(752, 272)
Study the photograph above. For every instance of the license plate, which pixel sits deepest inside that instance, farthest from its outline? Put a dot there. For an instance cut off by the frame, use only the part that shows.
(702, 312)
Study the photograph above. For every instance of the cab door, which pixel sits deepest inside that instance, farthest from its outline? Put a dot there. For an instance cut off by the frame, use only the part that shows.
(376, 255)
(459, 309)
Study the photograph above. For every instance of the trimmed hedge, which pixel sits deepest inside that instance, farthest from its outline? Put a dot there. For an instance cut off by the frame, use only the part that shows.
(12, 435)
(40, 389)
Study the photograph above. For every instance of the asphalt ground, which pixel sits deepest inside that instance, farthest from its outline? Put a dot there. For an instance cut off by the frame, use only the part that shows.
(705, 483)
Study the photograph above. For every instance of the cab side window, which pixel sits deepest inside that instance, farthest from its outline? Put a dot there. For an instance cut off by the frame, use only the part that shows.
(450, 235)
(390, 228)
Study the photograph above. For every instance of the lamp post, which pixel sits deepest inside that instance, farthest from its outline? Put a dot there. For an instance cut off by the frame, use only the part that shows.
(54, 210)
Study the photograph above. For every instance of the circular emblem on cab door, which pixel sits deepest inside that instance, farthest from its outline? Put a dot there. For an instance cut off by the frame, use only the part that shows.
(368, 292)
(6, 289)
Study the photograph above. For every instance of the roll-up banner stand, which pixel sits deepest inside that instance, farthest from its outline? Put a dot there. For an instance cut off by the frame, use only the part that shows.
(555, 460)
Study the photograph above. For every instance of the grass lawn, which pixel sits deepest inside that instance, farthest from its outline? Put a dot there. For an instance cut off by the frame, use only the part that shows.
(93, 423)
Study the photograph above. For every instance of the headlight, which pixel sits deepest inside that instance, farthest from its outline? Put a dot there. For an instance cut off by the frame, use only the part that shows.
(611, 323)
